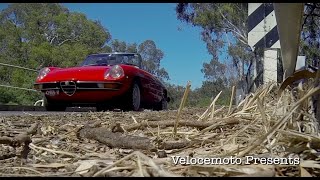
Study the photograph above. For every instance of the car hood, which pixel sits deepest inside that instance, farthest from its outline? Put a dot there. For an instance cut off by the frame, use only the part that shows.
(86, 73)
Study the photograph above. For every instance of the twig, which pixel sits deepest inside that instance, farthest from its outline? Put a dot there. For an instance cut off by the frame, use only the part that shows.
(189, 123)
(260, 140)
(183, 101)
(25, 168)
(117, 168)
(213, 104)
(231, 99)
(33, 129)
(140, 166)
(150, 162)
(205, 112)
(263, 114)
(54, 151)
(115, 139)
(134, 119)
(114, 164)
(217, 125)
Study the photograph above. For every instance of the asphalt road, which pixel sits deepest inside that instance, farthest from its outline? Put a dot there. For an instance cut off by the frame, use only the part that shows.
(39, 113)
(27, 113)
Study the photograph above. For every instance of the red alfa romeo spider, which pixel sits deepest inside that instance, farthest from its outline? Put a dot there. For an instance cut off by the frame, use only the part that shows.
(107, 80)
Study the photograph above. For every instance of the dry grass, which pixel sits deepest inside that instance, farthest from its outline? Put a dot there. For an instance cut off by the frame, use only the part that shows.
(269, 127)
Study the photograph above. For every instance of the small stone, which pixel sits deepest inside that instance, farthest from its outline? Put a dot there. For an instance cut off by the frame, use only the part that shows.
(161, 154)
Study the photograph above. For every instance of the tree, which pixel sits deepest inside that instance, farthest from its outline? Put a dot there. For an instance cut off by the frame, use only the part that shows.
(310, 36)
(213, 70)
(152, 56)
(119, 46)
(224, 26)
(36, 35)
(209, 89)
(175, 92)
(132, 48)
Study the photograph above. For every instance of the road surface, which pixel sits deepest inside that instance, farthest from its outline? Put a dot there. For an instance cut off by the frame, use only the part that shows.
(39, 113)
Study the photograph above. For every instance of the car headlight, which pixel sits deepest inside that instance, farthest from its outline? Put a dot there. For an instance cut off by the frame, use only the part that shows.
(43, 72)
(115, 72)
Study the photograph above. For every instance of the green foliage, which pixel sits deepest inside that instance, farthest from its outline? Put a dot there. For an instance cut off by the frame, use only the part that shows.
(175, 92)
(224, 29)
(209, 90)
(151, 56)
(213, 70)
(310, 35)
(224, 25)
(200, 97)
(119, 46)
(221, 23)
(37, 35)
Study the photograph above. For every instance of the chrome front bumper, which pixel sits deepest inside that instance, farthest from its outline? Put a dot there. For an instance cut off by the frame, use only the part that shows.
(70, 87)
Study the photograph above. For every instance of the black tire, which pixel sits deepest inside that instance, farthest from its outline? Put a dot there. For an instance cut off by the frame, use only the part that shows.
(162, 105)
(51, 106)
(133, 98)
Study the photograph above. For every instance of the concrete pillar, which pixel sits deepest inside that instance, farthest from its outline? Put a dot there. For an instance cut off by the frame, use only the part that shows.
(270, 65)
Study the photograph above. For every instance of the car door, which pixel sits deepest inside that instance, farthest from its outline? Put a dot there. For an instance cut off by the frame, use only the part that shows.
(158, 93)
(154, 89)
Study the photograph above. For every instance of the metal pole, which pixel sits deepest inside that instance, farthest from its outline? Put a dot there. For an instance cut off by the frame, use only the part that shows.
(289, 18)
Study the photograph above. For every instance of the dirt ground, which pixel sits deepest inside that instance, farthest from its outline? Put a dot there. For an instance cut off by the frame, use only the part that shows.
(57, 151)
(149, 143)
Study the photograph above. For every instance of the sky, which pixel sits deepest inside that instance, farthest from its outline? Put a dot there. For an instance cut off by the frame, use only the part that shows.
(184, 51)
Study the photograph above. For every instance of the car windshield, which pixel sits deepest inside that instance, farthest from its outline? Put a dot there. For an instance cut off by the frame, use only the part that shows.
(111, 59)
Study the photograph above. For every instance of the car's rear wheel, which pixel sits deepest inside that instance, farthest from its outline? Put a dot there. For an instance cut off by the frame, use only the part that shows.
(162, 105)
(52, 106)
(133, 98)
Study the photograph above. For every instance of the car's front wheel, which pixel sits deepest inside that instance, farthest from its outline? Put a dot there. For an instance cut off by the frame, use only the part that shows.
(51, 106)
(133, 98)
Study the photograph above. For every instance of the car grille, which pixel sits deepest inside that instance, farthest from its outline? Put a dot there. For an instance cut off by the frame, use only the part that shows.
(87, 85)
(50, 86)
(68, 87)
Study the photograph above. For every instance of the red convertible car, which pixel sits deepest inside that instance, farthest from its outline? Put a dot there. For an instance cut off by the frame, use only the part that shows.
(106, 81)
